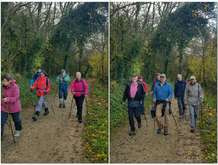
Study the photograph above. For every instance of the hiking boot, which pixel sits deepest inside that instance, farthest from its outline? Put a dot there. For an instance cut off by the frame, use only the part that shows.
(60, 105)
(17, 133)
(64, 106)
(165, 133)
(46, 112)
(192, 130)
(80, 121)
(36, 115)
(139, 125)
(158, 131)
(132, 133)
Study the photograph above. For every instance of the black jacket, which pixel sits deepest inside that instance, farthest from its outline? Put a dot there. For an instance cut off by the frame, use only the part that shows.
(179, 90)
(139, 94)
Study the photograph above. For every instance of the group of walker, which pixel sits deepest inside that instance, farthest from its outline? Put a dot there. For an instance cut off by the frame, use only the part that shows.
(11, 104)
(189, 94)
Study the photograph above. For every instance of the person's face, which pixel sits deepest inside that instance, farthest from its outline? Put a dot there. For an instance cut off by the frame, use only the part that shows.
(140, 79)
(192, 81)
(78, 76)
(134, 79)
(179, 78)
(158, 77)
(6, 82)
(162, 79)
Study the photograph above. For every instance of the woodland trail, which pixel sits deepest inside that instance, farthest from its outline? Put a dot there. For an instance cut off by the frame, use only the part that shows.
(180, 146)
(51, 139)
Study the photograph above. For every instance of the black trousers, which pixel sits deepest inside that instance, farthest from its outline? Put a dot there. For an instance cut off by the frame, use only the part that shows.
(79, 104)
(134, 113)
(16, 119)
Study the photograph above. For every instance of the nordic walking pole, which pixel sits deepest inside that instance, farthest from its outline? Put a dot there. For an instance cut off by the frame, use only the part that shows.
(201, 113)
(154, 124)
(175, 120)
(86, 105)
(10, 126)
(71, 107)
(52, 106)
(12, 131)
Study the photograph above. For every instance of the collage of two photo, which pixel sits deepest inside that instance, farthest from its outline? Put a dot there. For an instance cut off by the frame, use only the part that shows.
(109, 82)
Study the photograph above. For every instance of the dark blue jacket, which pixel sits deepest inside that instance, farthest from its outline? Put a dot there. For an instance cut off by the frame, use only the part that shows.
(179, 89)
(163, 92)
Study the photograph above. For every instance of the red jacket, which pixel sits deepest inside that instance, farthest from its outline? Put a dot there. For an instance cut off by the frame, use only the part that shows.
(80, 87)
(42, 85)
(12, 93)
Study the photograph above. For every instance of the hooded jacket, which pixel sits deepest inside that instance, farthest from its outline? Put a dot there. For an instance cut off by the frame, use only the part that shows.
(12, 93)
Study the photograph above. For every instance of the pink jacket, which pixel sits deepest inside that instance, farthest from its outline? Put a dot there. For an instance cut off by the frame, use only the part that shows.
(12, 93)
(79, 87)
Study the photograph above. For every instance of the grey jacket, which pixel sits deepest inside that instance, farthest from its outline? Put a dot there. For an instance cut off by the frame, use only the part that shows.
(193, 94)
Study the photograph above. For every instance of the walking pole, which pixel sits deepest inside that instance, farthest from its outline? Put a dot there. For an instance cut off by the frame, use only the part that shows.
(154, 124)
(86, 99)
(145, 117)
(12, 131)
(175, 121)
(71, 107)
(52, 106)
(10, 126)
(201, 113)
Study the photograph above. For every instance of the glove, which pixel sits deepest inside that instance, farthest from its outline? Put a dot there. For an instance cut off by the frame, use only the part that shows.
(45, 92)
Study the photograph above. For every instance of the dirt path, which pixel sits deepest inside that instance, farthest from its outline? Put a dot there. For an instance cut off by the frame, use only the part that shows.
(148, 147)
(52, 139)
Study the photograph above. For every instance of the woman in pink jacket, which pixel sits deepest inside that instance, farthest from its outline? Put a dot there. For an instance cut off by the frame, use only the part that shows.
(79, 89)
(10, 103)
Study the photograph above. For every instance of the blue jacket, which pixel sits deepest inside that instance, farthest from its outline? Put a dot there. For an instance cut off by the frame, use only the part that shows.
(179, 89)
(163, 92)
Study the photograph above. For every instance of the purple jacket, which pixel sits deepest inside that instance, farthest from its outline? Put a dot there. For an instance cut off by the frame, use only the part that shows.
(12, 92)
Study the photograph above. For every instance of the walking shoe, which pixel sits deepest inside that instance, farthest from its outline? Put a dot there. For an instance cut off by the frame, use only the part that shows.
(165, 132)
(60, 105)
(36, 115)
(46, 112)
(132, 133)
(192, 130)
(17, 133)
(158, 131)
(139, 125)
(64, 106)
(34, 118)
(80, 121)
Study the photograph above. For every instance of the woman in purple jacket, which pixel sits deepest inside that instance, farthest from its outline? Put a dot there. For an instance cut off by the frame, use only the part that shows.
(10, 103)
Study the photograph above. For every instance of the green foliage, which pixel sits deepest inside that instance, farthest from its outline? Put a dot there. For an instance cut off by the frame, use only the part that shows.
(96, 127)
(27, 98)
(50, 35)
(118, 110)
(208, 131)
(98, 63)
